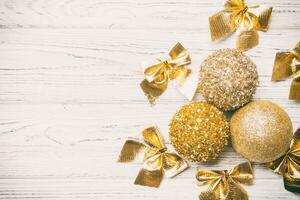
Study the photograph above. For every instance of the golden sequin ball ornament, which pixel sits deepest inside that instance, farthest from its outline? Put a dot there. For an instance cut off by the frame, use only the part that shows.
(228, 79)
(199, 131)
(261, 131)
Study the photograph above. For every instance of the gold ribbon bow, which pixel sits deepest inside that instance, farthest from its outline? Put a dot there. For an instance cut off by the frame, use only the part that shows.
(287, 65)
(289, 165)
(158, 75)
(238, 16)
(225, 185)
(157, 159)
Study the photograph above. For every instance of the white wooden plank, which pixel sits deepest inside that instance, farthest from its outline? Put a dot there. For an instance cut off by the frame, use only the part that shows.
(85, 65)
(129, 14)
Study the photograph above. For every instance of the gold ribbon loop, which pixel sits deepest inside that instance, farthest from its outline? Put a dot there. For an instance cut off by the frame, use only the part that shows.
(287, 65)
(157, 159)
(225, 185)
(157, 76)
(237, 16)
(289, 165)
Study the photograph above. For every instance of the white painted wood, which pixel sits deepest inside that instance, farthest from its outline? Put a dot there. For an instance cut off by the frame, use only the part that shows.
(69, 93)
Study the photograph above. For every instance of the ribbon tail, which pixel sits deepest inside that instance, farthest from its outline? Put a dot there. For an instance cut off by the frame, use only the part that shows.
(186, 82)
(291, 178)
(242, 173)
(292, 185)
(236, 191)
(293, 170)
(278, 165)
(247, 39)
(153, 90)
(173, 164)
(295, 90)
(132, 150)
(218, 189)
(263, 14)
(207, 195)
(180, 74)
(149, 178)
(220, 25)
(282, 66)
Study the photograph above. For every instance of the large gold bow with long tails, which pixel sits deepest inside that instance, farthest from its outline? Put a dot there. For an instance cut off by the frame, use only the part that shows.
(287, 65)
(157, 159)
(158, 75)
(225, 185)
(237, 16)
(289, 165)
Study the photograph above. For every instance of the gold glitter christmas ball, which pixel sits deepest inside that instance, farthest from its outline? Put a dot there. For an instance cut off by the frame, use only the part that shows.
(228, 79)
(261, 131)
(199, 131)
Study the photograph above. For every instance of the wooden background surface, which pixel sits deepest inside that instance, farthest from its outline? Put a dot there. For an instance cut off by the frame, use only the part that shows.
(69, 92)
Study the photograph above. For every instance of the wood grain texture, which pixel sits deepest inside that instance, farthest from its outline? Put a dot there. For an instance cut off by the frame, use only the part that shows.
(69, 93)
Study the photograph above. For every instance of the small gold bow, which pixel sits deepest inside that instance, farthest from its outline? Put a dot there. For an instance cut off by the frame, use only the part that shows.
(225, 185)
(157, 159)
(238, 16)
(158, 75)
(289, 165)
(287, 65)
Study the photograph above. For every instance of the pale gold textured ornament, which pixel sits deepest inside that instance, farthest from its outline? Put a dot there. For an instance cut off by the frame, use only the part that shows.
(261, 131)
(228, 79)
(199, 131)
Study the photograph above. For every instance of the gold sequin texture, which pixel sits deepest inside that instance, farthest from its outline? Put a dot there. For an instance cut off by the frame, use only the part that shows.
(261, 131)
(228, 79)
(199, 131)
